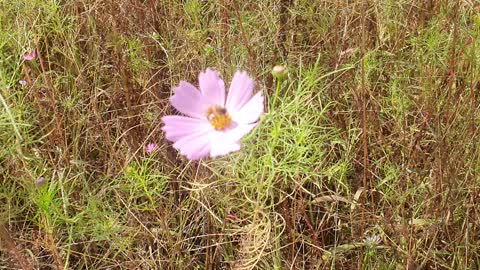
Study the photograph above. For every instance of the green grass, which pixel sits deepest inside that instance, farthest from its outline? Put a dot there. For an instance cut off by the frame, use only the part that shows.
(373, 133)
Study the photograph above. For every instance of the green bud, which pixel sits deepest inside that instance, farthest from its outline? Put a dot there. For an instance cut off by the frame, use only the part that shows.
(279, 72)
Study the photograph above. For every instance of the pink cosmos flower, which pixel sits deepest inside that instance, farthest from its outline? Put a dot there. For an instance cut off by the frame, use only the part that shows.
(30, 56)
(151, 147)
(214, 122)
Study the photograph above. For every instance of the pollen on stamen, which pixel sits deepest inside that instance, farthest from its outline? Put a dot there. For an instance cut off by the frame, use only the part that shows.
(218, 117)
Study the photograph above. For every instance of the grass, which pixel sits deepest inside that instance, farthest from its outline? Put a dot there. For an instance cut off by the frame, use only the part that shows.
(373, 133)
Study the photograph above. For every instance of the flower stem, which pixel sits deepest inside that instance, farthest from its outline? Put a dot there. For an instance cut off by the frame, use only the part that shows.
(277, 91)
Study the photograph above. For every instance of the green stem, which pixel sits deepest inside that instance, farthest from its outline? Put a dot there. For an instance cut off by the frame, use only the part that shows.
(277, 91)
(12, 119)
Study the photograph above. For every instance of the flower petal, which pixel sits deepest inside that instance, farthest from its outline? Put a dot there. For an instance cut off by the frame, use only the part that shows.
(223, 148)
(195, 146)
(240, 91)
(176, 127)
(235, 134)
(225, 142)
(212, 87)
(30, 56)
(151, 147)
(251, 111)
(188, 100)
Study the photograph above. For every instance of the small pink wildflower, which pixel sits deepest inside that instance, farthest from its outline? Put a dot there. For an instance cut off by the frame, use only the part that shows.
(23, 82)
(215, 122)
(40, 181)
(151, 147)
(30, 56)
(372, 241)
(232, 217)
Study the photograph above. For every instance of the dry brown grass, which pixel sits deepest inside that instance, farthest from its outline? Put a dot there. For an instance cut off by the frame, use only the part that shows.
(375, 133)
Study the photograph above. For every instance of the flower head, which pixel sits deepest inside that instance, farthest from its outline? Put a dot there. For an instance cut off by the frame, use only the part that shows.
(214, 122)
(30, 56)
(40, 181)
(372, 241)
(23, 82)
(279, 72)
(151, 147)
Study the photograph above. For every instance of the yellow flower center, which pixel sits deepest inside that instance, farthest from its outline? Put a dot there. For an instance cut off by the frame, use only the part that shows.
(218, 117)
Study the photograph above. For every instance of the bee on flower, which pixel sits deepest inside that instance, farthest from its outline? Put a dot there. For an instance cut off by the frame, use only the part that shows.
(214, 121)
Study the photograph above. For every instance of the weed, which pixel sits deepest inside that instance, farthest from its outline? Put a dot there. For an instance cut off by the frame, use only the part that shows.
(373, 132)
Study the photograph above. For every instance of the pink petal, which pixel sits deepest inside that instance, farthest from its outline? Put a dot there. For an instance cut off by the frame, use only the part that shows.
(235, 134)
(195, 146)
(40, 181)
(251, 111)
(30, 56)
(223, 148)
(240, 91)
(151, 147)
(176, 127)
(188, 100)
(228, 141)
(212, 87)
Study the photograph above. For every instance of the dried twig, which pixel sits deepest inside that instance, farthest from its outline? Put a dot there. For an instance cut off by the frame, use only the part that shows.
(8, 243)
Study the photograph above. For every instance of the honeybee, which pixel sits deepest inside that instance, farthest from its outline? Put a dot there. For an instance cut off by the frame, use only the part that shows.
(219, 117)
(215, 111)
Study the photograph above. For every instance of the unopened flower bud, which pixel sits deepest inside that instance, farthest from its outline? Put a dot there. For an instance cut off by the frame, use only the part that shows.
(40, 181)
(279, 72)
